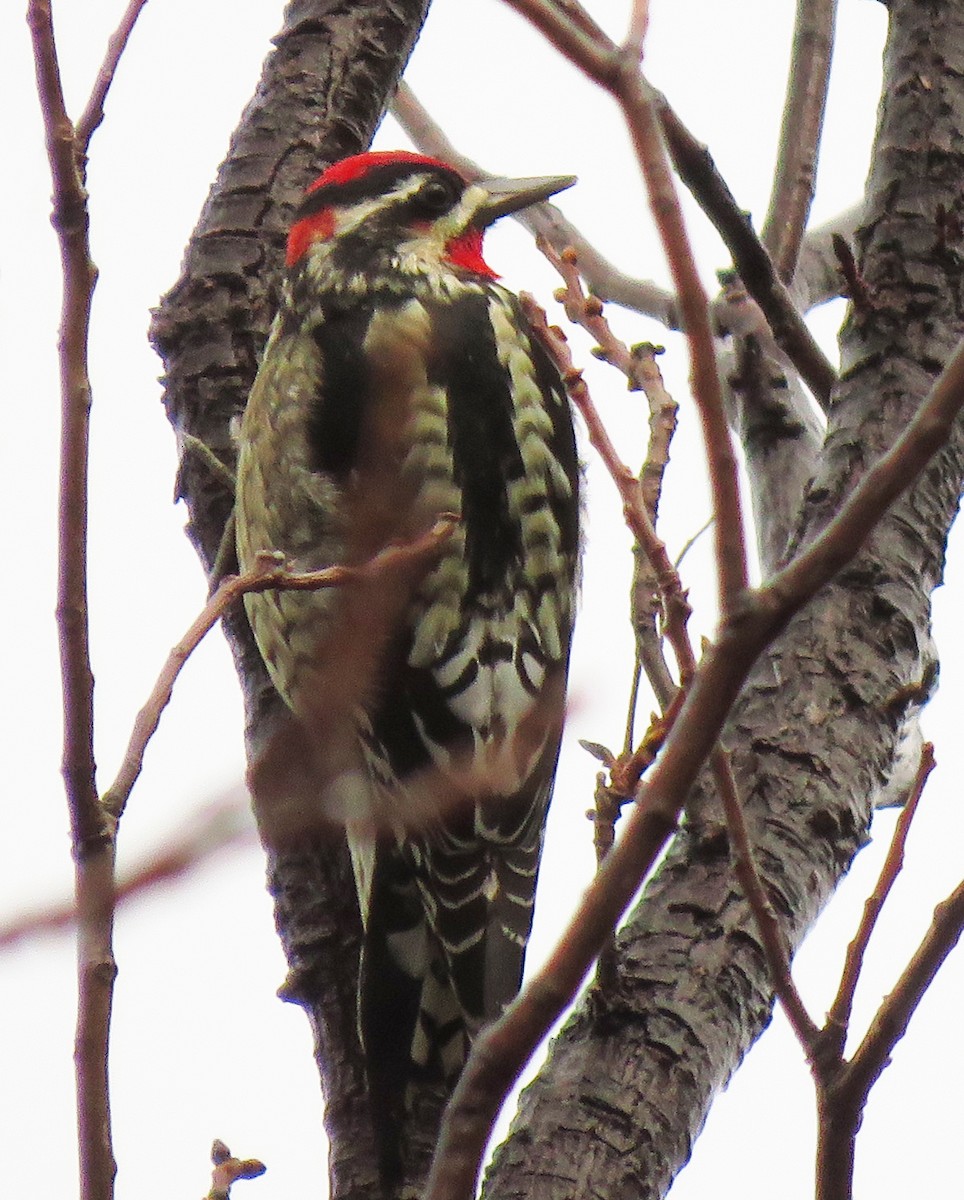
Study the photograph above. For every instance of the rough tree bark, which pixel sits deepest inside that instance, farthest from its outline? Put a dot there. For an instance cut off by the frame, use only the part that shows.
(815, 735)
(323, 91)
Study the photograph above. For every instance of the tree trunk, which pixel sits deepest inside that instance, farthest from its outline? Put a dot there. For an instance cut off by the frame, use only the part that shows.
(323, 91)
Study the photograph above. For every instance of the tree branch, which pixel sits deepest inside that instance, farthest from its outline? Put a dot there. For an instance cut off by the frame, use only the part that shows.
(781, 436)
(92, 832)
(93, 112)
(838, 1019)
(757, 273)
(800, 130)
(618, 71)
(813, 736)
(728, 529)
(842, 1088)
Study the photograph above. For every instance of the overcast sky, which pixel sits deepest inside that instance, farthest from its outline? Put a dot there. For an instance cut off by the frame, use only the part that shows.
(202, 1047)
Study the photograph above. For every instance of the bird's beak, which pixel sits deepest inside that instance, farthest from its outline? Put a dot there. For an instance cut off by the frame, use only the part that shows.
(509, 195)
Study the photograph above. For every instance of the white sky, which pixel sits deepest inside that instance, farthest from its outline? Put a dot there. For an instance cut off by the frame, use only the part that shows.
(202, 1047)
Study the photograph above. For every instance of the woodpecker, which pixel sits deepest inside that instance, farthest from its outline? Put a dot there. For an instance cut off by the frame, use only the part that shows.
(400, 383)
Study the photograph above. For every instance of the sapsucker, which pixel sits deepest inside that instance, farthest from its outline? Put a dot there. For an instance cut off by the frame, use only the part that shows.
(401, 382)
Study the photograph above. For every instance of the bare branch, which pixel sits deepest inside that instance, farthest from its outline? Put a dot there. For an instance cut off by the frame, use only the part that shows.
(676, 607)
(639, 367)
(646, 607)
(219, 825)
(91, 831)
(892, 1018)
(268, 573)
(707, 390)
(93, 112)
(800, 131)
(838, 1019)
(696, 169)
(636, 32)
(70, 220)
(587, 312)
(842, 1091)
(771, 936)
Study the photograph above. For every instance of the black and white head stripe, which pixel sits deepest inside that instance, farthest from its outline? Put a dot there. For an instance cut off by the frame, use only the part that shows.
(442, 190)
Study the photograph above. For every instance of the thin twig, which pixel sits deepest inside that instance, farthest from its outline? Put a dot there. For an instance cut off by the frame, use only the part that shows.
(838, 1019)
(731, 557)
(268, 574)
(768, 926)
(842, 1092)
(70, 220)
(631, 707)
(636, 32)
(639, 367)
(892, 1018)
(587, 312)
(218, 826)
(93, 112)
(663, 411)
(676, 607)
(800, 130)
(646, 606)
(843, 1087)
(618, 72)
(220, 470)
(691, 542)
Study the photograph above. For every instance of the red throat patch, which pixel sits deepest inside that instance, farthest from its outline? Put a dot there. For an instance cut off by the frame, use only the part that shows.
(465, 251)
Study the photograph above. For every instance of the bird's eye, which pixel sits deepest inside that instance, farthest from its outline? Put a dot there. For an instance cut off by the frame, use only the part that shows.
(436, 197)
